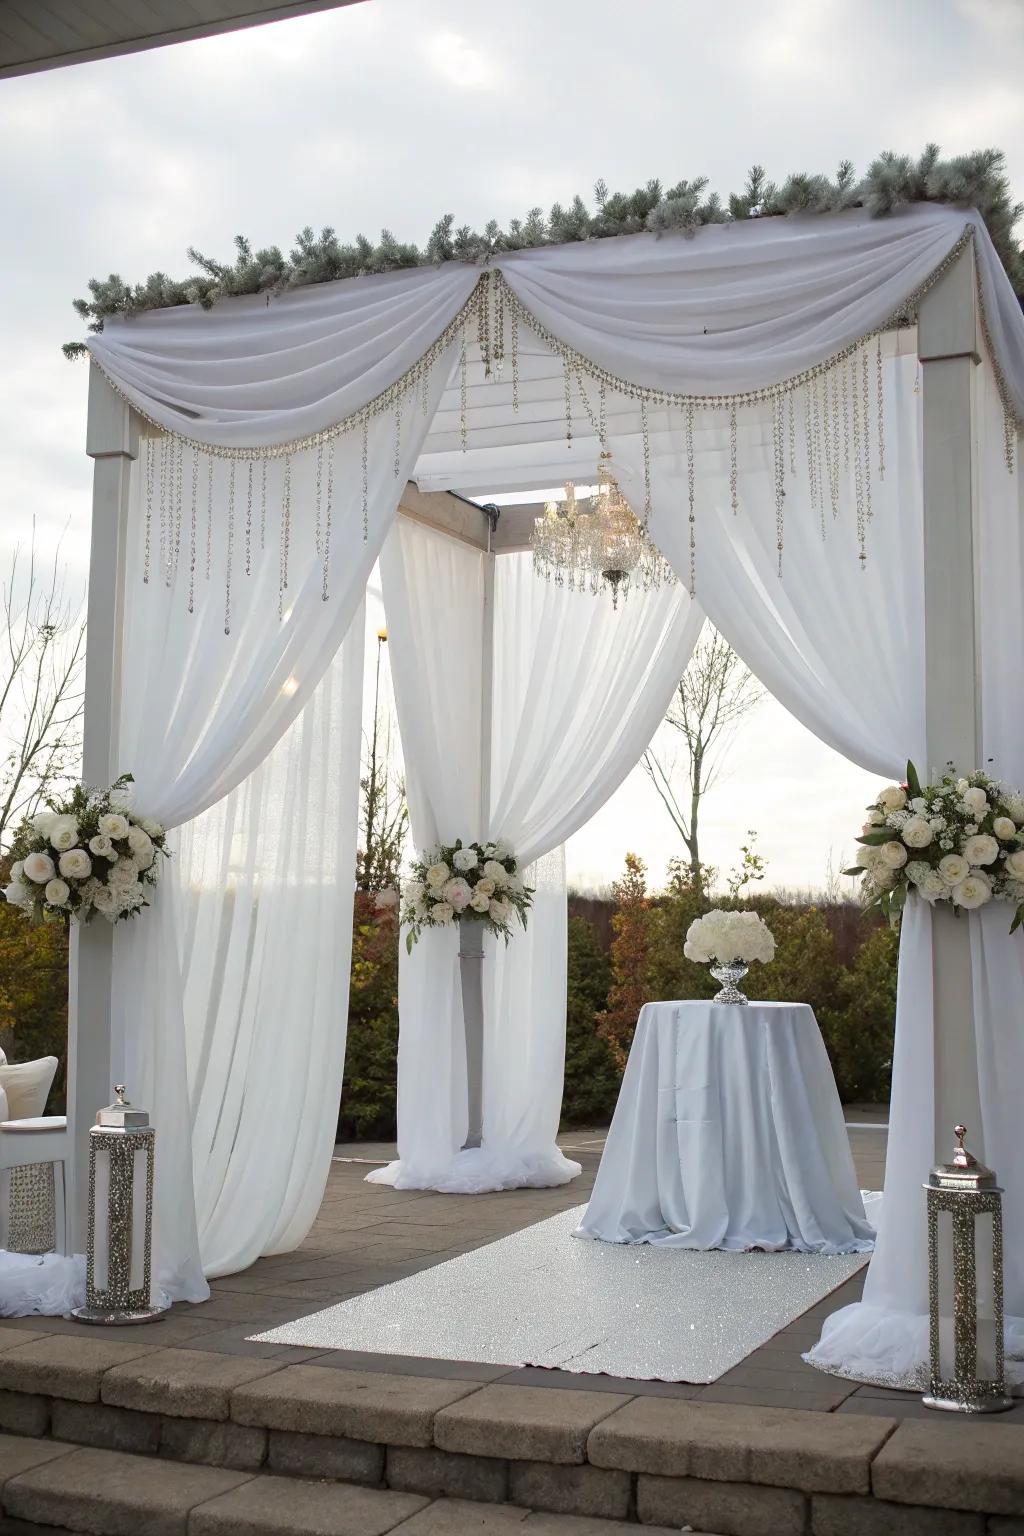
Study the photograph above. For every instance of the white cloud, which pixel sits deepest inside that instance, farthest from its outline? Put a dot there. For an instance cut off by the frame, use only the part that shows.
(458, 62)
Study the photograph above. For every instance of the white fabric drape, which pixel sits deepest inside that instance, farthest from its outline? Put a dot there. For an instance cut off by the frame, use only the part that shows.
(265, 918)
(738, 307)
(578, 691)
(201, 710)
(884, 1338)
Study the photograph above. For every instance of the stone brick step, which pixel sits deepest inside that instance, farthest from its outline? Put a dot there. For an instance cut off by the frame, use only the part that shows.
(47, 1487)
(723, 1468)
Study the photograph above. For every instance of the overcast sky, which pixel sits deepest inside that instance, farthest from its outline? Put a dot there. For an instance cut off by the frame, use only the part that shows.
(393, 112)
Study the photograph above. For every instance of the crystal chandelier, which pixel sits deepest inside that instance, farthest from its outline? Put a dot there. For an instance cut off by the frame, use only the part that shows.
(588, 545)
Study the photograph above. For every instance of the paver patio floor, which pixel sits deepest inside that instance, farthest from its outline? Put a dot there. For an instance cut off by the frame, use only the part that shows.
(367, 1235)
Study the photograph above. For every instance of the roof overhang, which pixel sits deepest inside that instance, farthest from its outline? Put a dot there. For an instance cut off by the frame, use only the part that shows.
(36, 36)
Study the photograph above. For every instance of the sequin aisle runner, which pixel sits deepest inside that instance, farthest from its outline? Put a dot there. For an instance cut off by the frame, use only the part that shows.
(541, 1297)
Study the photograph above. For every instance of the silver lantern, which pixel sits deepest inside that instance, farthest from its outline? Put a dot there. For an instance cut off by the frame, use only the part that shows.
(122, 1144)
(965, 1286)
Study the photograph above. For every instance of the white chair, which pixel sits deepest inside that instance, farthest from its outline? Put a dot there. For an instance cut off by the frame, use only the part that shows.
(33, 1155)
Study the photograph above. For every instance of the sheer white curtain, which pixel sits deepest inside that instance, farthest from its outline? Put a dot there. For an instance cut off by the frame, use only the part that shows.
(843, 649)
(578, 691)
(265, 918)
(206, 696)
(885, 1337)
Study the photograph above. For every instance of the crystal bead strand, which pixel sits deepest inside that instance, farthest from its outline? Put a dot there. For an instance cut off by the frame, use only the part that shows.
(263, 504)
(398, 436)
(646, 434)
(192, 530)
(498, 289)
(365, 473)
(691, 485)
(846, 415)
(826, 438)
(209, 517)
(865, 399)
(858, 478)
(816, 428)
(230, 550)
(1009, 440)
(602, 414)
(463, 393)
(809, 447)
(566, 382)
(780, 479)
(515, 362)
(319, 496)
(792, 433)
(881, 409)
(149, 469)
(324, 589)
(248, 519)
(734, 499)
(179, 454)
(164, 452)
(836, 440)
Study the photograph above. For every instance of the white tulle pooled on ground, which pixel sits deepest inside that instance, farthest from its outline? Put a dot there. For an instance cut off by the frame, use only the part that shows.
(481, 1171)
(41, 1285)
(890, 1349)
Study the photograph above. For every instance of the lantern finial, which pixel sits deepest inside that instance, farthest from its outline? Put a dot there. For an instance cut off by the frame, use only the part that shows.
(961, 1157)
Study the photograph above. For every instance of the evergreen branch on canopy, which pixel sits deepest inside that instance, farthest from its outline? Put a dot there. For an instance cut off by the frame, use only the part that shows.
(892, 181)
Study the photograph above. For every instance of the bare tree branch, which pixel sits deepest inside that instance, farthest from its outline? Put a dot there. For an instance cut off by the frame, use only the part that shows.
(714, 694)
(40, 687)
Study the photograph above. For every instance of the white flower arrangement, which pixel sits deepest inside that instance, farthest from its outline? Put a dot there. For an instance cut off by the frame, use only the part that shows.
(731, 938)
(478, 882)
(959, 840)
(89, 853)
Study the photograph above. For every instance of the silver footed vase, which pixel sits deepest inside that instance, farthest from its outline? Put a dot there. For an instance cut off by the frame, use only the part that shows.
(729, 975)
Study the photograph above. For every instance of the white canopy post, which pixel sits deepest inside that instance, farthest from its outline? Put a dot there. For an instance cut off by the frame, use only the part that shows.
(112, 441)
(949, 351)
(471, 941)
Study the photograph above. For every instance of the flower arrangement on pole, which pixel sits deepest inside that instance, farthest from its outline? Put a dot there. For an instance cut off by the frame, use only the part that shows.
(730, 942)
(465, 882)
(959, 840)
(86, 854)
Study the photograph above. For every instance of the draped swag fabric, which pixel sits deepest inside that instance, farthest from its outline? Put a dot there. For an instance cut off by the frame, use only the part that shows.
(765, 437)
(578, 691)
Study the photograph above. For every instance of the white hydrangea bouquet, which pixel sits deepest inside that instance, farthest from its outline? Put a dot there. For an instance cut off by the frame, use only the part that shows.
(730, 938)
(86, 854)
(960, 840)
(478, 882)
(731, 942)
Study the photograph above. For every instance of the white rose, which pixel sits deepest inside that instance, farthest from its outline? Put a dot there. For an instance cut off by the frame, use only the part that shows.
(75, 864)
(976, 800)
(113, 824)
(40, 868)
(42, 821)
(917, 833)
(1005, 828)
(920, 805)
(383, 901)
(479, 901)
(972, 892)
(893, 798)
(501, 911)
(962, 786)
(129, 897)
(18, 894)
(139, 841)
(123, 872)
(894, 855)
(104, 899)
(413, 891)
(17, 870)
(57, 892)
(485, 887)
(981, 850)
(102, 847)
(932, 887)
(146, 859)
(495, 872)
(442, 912)
(875, 818)
(1015, 864)
(954, 868)
(513, 883)
(437, 874)
(63, 833)
(153, 828)
(465, 858)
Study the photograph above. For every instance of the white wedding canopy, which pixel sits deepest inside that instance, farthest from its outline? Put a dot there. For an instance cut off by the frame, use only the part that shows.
(836, 490)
